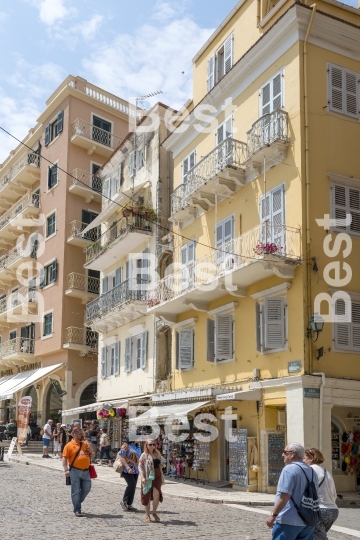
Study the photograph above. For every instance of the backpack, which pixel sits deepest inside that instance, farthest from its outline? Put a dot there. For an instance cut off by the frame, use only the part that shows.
(308, 509)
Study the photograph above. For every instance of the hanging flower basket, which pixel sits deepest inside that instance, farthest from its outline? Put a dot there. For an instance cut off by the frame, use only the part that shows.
(263, 248)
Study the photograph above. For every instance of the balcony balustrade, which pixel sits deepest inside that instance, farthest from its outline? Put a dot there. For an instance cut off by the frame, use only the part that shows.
(121, 238)
(93, 138)
(17, 305)
(269, 137)
(123, 303)
(84, 287)
(16, 256)
(26, 171)
(76, 237)
(86, 185)
(261, 252)
(81, 339)
(19, 348)
(22, 214)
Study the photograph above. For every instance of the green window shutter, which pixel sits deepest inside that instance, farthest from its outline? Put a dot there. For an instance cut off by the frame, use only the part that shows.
(210, 341)
(117, 358)
(128, 351)
(60, 122)
(103, 362)
(47, 135)
(143, 349)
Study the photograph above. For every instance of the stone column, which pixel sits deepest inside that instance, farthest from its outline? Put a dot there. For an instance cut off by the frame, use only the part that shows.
(302, 416)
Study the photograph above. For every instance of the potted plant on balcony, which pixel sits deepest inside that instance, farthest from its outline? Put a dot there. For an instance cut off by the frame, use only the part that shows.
(126, 211)
(267, 248)
(150, 213)
(137, 207)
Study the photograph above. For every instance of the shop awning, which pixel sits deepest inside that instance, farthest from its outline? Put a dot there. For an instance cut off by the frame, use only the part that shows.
(246, 395)
(94, 407)
(177, 410)
(27, 378)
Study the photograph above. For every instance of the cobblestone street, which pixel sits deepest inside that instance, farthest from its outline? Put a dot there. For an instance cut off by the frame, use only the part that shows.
(36, 504)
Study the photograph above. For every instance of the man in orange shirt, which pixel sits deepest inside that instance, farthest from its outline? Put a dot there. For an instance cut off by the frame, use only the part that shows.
(76, 462)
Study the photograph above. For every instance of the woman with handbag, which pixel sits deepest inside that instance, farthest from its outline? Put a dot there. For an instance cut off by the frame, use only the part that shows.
(150, 469)
(130, 473)
(327, 494)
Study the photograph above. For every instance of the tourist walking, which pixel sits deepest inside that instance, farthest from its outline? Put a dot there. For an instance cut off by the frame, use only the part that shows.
(62, 439)
(93, 433)
(329, 511)
(2, 431)
(130, 461)
(284, 520)
(57, 446)
(47, 436)
(105, 446)
(76, 462)
(150, 469)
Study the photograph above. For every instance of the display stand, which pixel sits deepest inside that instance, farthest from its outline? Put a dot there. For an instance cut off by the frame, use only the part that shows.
(238, 457)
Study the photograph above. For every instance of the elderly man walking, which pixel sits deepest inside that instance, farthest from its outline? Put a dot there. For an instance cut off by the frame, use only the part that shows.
(76, 462)
(285, 522)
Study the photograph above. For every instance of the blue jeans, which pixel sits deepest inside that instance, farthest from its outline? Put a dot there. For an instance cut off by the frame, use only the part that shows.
(131, 480)
(291, 532)
(80, 487)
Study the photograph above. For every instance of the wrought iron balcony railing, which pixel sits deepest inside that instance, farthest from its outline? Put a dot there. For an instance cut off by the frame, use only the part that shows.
(96, 134)
(86, 180)
(16, 253)
(268, 129)
(130, 290)
(228, 154)
(23, 295)
(28, 200)
(18, 346)
(178, 199)
(135, 223)
(82, 336)
(83, 283)
(76, 229)
(30, 158)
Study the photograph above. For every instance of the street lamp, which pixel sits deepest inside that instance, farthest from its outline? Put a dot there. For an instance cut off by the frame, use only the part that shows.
(316, 325)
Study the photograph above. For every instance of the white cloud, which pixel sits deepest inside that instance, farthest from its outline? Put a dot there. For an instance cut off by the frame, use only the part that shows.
(151, 59)
(51, 11)
(89, 28)
(86, 30)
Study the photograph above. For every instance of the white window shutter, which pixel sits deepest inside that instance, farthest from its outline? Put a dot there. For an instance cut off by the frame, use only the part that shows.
(117, 358)
(104, 285)
(192, 160)
(118, 273)
(103, 362)
(118, 179)
(132, 164)
(266, 99)
(185, 169)
(277, 217)
(342, 329)
(351, 94)
(223, 337)
(143, 349)
(229, 127)
(228, 53)
(210, 340)
(258, 328)
(336, 89)
(186, 349)
(184, 255)
(277, 92)
(354, 209)
(211, 73)
(107, 188)
(274, 323)
(220, 136)
(128, 351)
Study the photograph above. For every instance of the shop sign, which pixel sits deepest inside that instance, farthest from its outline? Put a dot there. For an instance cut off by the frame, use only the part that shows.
(60, 392)
(312, 393)
(29, 367)
(225, 397)
(24, 408)
(6, 373)
(294, 367)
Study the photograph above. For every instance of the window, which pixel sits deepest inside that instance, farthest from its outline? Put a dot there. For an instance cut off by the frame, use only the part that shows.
(224, 131)
(52, 176)
(220, 63)
(272, 217)
(271, 325)
(96, 182)
(220, 338)
(346, 201)
(187, 164)
(112, 280)
(48, 324)
(343, 91)
(224, 241)
(185, 349)
(112, 184)
(48, 274)
(135, 352)
(271, 95)
(347, 334)
(53, 129)
(110, 360)
(188, 262)
(87, 216)
(12, 335)
(27, 334)
(50, 225)
(101, 131)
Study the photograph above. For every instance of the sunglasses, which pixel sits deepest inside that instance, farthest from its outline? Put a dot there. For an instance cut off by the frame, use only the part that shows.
(288, 452)
(151, 444)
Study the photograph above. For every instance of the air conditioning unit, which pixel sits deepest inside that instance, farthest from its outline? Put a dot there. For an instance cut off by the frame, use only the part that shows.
(281, 418)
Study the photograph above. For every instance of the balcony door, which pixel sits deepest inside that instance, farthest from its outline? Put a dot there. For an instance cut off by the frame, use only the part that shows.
(27, 335)
(272, 218)
(87, 217)
(101, 131)
(224, 152)
(225, 244)
(188, 266)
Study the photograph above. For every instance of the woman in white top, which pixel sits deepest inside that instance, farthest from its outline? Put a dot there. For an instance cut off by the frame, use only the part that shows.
(327, 494)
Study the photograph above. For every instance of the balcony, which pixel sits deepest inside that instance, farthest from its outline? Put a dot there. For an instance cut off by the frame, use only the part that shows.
(268, 138)
(10, 262)
(85, 288)
(25, 172)
(17, 350)
(24, 213)
(18, 306)
(86, 185)
(81, 339)
(124, 237)
(266, 250)
(76, 237)
(94, 139)
(124, 303)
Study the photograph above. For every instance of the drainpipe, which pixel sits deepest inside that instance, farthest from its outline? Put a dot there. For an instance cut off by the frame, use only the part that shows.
(258, 11)
(307, 184)
(323, 382)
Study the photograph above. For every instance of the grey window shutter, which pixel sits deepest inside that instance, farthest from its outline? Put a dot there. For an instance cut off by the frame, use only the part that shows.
(185, 169)
(342, 329)
(223, 337)
(104, 285)
(103, 362)
(340, 207)
(266, 99)
(274, 315)
(107, 188)
(229, 127)
(143, 349)
(351, 94)
(210, 340)
(336, 89)
(118, 276)
(42, 278)
(354, 210)
(53, 271)
(192, 160)
(177, 350)
(128, 351)
(258, 327)
(47, 135)
(220, 134)
(276, 92)
(186, 349)
(277, 234)
(60, 121)
(228, 53)
(132, 164)
(118, 179)
(211, 73)
(355, 317)
(117, 358)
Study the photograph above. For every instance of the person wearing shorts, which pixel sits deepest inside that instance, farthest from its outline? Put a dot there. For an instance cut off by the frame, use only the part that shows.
(57, 445)
(47, 436)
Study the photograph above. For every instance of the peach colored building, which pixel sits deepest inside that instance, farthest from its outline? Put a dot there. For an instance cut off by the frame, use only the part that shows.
(46, 351)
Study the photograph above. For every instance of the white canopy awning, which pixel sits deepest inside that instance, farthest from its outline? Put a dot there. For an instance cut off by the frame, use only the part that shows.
(245, 395)
(177, 410)
(17, 382)
(94, 407)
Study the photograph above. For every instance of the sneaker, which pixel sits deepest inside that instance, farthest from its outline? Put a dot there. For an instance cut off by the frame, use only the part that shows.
(124, 506)
(44, 455)
(79, 514)
(131, 509)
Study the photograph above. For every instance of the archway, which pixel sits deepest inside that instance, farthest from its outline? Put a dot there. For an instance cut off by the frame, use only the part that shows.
(53, 404)
(88, 396)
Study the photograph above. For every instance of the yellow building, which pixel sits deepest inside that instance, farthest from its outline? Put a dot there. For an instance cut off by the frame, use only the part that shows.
(267, 146)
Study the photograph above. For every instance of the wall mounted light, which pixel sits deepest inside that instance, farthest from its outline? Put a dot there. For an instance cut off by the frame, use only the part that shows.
(316, 325)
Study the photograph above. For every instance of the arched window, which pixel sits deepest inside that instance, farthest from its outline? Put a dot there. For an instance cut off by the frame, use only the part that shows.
(88, 395)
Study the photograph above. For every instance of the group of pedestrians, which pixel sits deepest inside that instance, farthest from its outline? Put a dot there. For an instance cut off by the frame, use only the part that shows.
(7, 431)
(301, 468)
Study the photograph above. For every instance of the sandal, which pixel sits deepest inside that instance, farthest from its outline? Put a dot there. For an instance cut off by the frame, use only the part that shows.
(156, 517)
(147, 519)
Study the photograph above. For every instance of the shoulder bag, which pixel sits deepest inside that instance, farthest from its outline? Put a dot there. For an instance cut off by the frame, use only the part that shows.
(118, 466)
(68, 479)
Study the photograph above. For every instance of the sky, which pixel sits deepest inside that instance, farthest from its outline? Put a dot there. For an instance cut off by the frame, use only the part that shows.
(128, 47)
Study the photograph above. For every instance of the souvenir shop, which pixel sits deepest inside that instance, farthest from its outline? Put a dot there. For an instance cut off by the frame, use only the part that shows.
(345, 448)
(116, 420)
